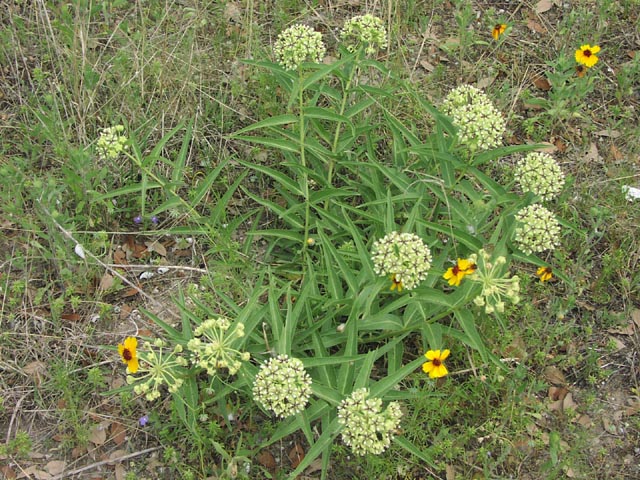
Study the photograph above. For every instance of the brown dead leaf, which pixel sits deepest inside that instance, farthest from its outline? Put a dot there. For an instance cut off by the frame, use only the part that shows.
(131, 292)
(36, 370)
(98, 434)
(542, 83)
(550, 148)
(125, 310)
(585, 421)
(633, 408)
(592, 155)
(554, 376)
(71, 317)
(120, 472)
(616, 154)
(296, 455)
(106, 282)
(78, 451)
(608, 133)
(266, 459)
(620, 345)
(315, 466)
(485, 82)
(557, 393)
(116, 456)
(450, 472)
(33, 472)
(543, 6)
(157, 247)
(120, 257)
(560, 145)
(55, 467)
(535, 26)
(427, 66)
(635, 316)
(568, 403)
(118, 433)
(7, 472)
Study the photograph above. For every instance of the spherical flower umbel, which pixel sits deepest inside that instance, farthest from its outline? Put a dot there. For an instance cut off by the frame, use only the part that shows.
(402, 256)
(158, 366)
(283, 386)
(298, 44)
(480, 124)
(364, 30)
(538, 229)
(366, 427)
(586, 55)
(111, 142)
(497, 284)
(211, 348)
(539, 173)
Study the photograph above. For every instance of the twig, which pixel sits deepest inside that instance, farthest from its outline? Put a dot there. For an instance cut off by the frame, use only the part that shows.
(104, 462)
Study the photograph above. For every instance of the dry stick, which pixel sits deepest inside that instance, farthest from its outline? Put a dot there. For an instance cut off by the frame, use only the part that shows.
(114, 272)
(104, 462)
(14, 414)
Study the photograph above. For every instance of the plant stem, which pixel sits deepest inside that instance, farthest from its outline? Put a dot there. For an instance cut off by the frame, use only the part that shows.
(303, 162)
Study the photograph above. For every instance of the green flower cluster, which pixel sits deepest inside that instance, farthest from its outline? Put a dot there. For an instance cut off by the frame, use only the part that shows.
(366, 427)
(403, 256)
(298, 44)
(211, 348)
(497, 285)
(111, 143)
(364, 30)
(480, 124)
(538, 229)
(283, 386)
(158, 366)
(539, 173)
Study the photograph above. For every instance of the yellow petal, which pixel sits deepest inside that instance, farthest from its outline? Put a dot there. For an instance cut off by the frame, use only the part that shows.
(445, 354)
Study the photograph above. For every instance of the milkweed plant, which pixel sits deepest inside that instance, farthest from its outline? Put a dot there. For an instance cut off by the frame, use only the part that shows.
(385, 228)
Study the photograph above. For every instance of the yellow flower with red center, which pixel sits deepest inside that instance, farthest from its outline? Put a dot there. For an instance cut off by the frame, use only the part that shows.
(545, 274)
(456, 273)
(435, 366)
(395, 283)
(127, 351)
(586, 55)
(498, 30)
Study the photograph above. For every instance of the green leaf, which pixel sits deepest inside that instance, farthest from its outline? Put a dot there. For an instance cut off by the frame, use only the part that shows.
(278, 143)
(283, 119)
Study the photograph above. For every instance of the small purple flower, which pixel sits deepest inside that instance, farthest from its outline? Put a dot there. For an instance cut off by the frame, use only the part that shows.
(143, 420)
(137, 219)
(155, 220)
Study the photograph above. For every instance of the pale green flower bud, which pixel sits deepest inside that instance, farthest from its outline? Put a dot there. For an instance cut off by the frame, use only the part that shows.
(282, 386)
(404, 257)
(539, 173)
(538, 229)
(111, 143)
(480, 125)
(364, 30)
(298, 44)
(366, 427)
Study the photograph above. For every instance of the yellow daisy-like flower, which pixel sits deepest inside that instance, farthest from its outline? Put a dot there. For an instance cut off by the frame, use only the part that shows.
(395, 283)
(498, 30)
(456, 273)
(435, 366)
(545, 274)
(586, 55)
(128, 353)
